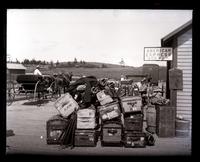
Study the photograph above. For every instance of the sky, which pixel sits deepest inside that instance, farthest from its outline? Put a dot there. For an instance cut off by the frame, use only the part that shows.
(96, 35)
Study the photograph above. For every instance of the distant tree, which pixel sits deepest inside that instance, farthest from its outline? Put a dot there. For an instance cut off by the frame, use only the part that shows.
(83, 62)
(75, 60)
(38, 62)
(26, 61)
(33, 61)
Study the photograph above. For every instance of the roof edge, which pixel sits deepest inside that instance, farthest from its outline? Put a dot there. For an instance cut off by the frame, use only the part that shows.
(176, 32)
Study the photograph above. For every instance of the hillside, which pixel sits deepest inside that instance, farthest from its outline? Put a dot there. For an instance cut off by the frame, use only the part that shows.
(112, 71)
(99, 64)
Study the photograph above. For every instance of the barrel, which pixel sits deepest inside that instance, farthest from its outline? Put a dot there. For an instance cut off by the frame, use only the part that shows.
(151, 118)
(182, 128)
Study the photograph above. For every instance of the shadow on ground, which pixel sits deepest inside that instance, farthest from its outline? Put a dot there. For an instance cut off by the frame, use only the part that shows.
(37, 102)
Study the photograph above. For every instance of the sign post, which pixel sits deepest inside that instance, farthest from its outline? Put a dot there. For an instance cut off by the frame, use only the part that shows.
(157, 54)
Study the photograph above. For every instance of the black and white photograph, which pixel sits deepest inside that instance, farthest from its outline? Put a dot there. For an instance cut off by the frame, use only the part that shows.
(99, 82)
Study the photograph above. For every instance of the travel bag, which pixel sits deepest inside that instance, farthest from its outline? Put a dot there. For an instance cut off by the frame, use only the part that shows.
(55, 126)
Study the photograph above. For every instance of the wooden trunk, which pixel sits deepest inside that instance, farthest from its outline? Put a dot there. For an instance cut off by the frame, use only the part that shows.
(111, 134)
(86, 138)
(133, 122)
(131, 104)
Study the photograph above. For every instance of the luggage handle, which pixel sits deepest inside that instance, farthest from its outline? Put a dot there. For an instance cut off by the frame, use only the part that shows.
(112, 131)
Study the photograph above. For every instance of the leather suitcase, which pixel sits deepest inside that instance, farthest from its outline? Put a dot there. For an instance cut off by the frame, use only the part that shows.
(111, 134)
(131, 104)
(134, 139)
(103, 98)
(55, 126)
(133, 122)
(109, 111)
(87, 112)
(87, 138)
(86, 123)
(66, 105)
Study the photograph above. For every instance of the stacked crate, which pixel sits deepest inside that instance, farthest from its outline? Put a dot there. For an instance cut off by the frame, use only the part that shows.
(133, 135)
(57, 126)
(110, 118)
(85, 133)
(111, 125)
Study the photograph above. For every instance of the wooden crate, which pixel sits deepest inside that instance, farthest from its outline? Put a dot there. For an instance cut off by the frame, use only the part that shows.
(165, 121)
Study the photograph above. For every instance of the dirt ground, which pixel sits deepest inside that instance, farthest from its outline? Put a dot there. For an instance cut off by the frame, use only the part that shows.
(28, 121)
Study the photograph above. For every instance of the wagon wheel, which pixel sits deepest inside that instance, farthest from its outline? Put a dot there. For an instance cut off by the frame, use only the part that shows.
(10, 93)
(53, 90)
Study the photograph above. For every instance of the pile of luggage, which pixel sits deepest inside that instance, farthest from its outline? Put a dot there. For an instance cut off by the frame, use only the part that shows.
(112, 119)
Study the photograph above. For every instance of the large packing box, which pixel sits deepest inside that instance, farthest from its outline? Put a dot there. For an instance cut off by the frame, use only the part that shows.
(103, 98)
(86, 118)
(87, 112)
(66, 105)
(109, 111)
(131, 104)
(165, 121)
(86, 123)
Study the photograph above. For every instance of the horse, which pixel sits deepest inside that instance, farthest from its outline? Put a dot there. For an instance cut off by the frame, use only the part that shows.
(62, 81)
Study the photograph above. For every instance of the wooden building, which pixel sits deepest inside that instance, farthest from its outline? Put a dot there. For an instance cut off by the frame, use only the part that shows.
(14, 69)
(181, 42)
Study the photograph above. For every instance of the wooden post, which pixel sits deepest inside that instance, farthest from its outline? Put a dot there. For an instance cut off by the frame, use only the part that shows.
(167, 80)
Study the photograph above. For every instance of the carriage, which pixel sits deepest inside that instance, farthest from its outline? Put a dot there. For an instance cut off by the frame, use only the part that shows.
(39, 87)
(31, 86)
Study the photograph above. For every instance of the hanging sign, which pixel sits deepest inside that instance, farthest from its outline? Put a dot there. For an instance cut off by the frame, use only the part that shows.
(157, 53)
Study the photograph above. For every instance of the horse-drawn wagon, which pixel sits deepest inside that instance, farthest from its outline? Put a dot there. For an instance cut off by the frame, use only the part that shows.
(36, 86)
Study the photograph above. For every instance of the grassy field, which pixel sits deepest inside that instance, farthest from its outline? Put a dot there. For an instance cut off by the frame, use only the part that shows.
(113, 72)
